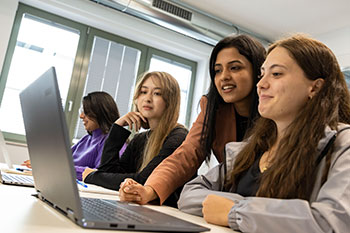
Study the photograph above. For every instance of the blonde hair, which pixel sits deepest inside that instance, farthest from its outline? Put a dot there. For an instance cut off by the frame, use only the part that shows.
(171, 96)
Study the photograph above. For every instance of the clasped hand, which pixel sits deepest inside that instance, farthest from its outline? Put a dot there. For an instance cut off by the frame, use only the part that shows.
(131, 191)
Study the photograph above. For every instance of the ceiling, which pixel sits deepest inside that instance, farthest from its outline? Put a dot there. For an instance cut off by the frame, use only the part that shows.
(271, 19)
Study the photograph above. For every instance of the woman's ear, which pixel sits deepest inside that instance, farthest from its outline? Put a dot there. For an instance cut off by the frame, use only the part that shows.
(316, 87)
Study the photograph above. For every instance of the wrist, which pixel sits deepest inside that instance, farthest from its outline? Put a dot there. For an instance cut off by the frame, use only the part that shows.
(151, 194)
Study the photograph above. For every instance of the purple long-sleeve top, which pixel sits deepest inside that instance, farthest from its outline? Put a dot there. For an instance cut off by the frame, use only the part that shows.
(87, 151)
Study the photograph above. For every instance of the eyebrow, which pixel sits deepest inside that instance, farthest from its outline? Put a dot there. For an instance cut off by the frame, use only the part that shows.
(156, 88)
(231, 62)
(275, 65)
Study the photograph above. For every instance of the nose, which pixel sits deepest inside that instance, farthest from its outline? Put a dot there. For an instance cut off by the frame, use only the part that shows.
(148, 97)
(224, 75)
(263, 83)
(82, 115)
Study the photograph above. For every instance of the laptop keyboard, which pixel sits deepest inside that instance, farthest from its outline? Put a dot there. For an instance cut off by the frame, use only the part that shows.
(111, 210)
(18, 179)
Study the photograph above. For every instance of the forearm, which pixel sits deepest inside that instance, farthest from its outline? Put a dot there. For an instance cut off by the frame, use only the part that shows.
(110, 154)
(105, 179)
(276, 215)
(79, 171)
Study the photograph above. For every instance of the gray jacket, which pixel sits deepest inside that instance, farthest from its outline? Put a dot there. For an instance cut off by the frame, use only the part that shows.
(327, 211)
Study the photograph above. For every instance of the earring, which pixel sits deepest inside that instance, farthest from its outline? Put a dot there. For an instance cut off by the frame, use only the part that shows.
(310, 97)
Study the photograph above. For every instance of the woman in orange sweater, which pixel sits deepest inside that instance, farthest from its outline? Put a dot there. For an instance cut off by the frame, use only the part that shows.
(227, 111)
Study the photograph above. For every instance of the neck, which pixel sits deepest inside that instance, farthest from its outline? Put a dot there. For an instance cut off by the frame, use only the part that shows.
(243, 107)
(153, 123)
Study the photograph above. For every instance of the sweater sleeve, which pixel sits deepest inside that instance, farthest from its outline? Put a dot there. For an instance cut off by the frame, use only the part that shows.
(330, 212)
(112, 180)
(110, 160)
(183, 164)
(93, 160)
(195, 191)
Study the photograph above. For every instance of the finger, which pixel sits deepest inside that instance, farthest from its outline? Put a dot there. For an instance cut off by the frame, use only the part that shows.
(131, 189)
(131, 198)
(142, 117)
(137, 120)
(129, 123)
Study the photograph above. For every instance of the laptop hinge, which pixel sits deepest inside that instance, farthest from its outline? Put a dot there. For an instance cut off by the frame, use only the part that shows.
(40, 196)
(70, 214)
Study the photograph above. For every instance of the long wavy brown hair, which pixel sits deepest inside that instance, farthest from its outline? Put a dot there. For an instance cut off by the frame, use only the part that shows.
(171, 95)
(292, 172)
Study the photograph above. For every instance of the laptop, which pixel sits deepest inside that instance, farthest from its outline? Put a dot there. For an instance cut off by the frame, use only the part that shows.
(54, 173)
(6, 177)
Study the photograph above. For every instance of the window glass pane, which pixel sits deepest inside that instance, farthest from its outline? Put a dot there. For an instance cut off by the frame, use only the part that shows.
(113, 68)
(346, 73)
(40, 45)
(181, 73)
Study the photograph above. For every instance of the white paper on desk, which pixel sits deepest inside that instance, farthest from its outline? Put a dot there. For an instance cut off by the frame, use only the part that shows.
(97, 189)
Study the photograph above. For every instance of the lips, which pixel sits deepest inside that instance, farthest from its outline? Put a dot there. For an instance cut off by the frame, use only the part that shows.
(147, 107)
(228, 87)
(264, 97)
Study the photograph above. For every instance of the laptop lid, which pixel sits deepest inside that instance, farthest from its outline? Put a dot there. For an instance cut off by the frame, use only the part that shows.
(53, 168)
(48, 144)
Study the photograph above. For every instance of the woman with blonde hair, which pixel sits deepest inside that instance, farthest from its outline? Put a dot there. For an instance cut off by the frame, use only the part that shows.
(157, 102)
(292, 173)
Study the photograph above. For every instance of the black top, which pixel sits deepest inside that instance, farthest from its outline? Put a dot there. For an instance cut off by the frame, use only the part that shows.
(241, 126)
(249, 182)
(113, 170)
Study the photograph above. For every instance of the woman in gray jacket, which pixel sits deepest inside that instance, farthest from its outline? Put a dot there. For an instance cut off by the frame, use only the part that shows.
(293, 173)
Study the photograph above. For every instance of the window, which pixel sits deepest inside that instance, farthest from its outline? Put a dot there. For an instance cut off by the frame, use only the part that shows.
(346, 72)
(113, 68)
(182, 73)
(86, 60)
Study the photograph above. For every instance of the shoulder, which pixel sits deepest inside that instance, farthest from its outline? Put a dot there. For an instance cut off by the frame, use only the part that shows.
(343, 136)
(140, 136)
(176, 136)
(179, 129)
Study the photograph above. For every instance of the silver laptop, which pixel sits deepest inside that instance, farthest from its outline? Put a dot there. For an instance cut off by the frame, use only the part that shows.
(55, 177)
(9, 178)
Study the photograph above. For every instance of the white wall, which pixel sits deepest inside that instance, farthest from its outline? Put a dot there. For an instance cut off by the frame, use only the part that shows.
(338, 42)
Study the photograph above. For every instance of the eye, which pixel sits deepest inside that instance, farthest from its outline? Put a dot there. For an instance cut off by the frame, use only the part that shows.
(276, 74)
(158, 93)
(235, 68)
(216, 71)
(143, 92)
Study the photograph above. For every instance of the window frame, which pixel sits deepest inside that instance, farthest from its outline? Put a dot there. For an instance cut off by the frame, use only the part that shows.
(153, 51)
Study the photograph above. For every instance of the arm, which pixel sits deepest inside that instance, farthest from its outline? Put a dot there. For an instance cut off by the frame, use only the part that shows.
(92, 158)
(174, 139)
(330, 212)
(196, 191)
(178, 168)
(110, 161)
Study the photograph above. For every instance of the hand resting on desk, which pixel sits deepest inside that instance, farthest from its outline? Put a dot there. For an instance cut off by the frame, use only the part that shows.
(216, 209)
(132, 191)
(87, 171)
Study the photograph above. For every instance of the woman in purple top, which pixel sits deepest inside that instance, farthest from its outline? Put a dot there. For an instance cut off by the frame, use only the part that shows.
(99, 112)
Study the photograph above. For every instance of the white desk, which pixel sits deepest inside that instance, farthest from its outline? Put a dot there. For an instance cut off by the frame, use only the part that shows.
(22, 213)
